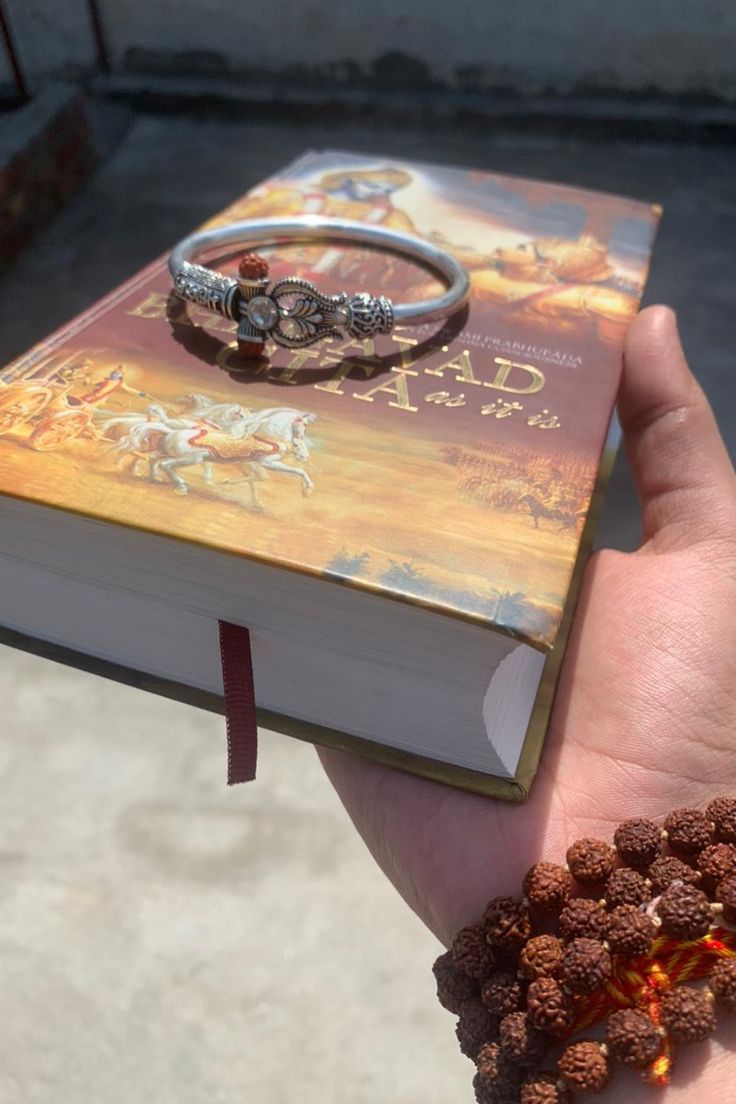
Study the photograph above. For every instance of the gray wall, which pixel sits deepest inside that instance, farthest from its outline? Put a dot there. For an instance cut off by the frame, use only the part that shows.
(673, 46)
(51, 35)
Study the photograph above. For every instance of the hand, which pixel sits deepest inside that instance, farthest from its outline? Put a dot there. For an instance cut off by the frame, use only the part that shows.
(645, 715)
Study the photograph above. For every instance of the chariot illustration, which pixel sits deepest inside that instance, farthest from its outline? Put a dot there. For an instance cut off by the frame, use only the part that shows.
(54, 420)
(156, 442)
(48, 406)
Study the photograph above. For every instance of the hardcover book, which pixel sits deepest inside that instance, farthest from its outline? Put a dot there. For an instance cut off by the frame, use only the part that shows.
(399, 522)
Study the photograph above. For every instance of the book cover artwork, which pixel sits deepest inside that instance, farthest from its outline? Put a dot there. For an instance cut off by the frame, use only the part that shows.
(451, 467)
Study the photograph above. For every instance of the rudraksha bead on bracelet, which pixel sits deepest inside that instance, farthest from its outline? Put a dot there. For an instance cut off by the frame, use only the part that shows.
(606, 941)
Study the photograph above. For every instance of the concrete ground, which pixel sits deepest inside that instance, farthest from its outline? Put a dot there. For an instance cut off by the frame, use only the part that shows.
(160, 936)
(163, 938)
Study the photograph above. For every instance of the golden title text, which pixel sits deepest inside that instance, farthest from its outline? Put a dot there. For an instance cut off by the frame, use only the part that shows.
(355, 364)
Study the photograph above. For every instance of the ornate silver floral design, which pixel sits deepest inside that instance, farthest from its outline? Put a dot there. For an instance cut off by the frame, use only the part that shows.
(293, 312)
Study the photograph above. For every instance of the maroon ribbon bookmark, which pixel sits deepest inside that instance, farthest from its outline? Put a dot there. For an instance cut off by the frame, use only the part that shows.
(240, 703)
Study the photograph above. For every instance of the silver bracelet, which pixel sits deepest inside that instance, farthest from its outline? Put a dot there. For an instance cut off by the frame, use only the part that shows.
(293, 312)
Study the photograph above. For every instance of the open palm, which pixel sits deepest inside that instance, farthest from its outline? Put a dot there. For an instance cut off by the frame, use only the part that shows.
(645, 714)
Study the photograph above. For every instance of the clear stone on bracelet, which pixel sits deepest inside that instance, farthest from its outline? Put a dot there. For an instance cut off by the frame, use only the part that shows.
(263, 312)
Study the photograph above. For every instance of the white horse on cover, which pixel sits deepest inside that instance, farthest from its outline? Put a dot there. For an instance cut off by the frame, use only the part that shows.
(226, 433)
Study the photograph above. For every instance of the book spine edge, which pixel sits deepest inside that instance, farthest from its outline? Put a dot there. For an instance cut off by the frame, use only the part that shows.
(545, 698)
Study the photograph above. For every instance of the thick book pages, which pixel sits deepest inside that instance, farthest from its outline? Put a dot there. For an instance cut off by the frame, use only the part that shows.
(414, 506)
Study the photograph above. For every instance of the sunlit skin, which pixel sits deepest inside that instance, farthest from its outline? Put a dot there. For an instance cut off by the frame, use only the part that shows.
(645, 715)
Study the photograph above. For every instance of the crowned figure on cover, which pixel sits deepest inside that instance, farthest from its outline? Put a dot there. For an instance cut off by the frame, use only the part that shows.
(553, 284)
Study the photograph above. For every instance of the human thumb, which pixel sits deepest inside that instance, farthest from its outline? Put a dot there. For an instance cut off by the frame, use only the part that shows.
(683, 474)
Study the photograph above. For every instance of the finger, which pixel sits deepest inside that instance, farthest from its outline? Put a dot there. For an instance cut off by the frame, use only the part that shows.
(682, 471)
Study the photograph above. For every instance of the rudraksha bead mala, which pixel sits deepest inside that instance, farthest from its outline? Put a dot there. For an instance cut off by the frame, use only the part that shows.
(610, 938)
(630, 931)
(541, 956)
(632, 1037)
(475, 1027)
(502, 993)
(722, 814)
(472, 953)
(627, 887)
(583, 916)
(669, 869)
(590, 861)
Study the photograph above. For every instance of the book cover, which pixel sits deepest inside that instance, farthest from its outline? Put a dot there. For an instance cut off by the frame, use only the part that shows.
(450, 465)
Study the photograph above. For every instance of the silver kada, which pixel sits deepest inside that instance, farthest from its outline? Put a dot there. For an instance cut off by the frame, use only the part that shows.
(294, 312)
